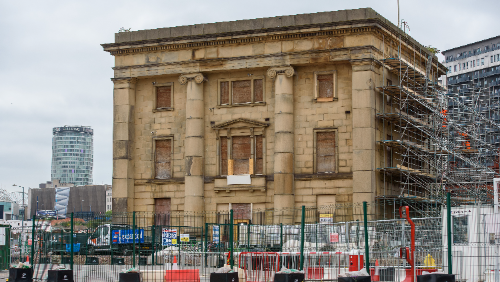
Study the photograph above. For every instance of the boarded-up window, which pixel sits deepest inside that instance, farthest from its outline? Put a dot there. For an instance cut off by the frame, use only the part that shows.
(223, 155)
(163, 96)
(259, 155)
(242, 92)
(224, 92)
(242, 211)
(241, 150)
(325, 85)
(163, 154)
(162, 211)
(325, 152)
(258, 90)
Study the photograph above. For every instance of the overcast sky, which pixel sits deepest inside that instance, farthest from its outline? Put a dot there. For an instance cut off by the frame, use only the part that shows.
(53, 71)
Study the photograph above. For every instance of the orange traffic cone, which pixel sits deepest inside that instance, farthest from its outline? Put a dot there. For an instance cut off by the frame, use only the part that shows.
(376, 277)
(174, 264)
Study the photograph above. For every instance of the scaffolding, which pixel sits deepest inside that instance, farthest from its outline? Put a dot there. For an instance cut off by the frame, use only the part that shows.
(435, 140)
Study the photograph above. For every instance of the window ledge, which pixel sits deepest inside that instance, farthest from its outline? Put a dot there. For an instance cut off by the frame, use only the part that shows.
(258, 183)
(325, 100)
(242, 105)
(162, 110)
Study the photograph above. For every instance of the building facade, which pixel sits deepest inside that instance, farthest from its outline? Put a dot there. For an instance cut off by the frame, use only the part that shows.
(72, 155)
(271, 113)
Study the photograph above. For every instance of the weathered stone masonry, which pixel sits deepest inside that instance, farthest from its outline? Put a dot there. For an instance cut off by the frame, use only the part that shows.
(290, 100)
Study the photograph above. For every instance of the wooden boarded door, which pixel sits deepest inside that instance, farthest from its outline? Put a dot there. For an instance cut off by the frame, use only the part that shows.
(242, 213)
(162, 211)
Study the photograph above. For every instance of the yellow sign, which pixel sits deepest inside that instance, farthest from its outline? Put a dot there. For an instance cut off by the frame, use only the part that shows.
(326, 215)
(184, 237)
(174, 241)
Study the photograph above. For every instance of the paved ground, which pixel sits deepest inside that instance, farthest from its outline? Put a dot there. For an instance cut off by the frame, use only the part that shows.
(4, 274)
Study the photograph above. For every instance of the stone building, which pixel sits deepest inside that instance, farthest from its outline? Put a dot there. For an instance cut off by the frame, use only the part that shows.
(269, 113)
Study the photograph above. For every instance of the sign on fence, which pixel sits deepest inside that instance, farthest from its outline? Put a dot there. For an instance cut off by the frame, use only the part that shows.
(126, 236)
(168, 237)
(184, 237)
(334, 237)
(326, 218)
(216, 233)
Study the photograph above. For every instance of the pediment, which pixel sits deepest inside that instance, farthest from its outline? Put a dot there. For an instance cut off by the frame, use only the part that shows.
(240, 123)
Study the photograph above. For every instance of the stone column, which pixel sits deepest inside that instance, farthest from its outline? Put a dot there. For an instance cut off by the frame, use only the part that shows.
(123, 144)
(363, 126)
(194, 146)
(284, 199)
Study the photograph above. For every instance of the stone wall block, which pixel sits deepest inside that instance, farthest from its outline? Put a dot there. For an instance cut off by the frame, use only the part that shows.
(283, 142)
(122, 131)
(363, 99)
(283, 183)
(363, 139)
(194, 166)
(322, 17)
(364, 117)
(121, 113)
(284, 122)
(283, 163)
(363, 182)
(273, 22)
(195, 127)
(122, 168)
(194, 146)
(193, 185)
(195, 109)
(121, 149)
(365, 80)
(363, 160)
(283, 103)
(283, 84)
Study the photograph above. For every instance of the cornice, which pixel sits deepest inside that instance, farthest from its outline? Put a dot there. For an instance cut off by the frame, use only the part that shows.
(148, 47)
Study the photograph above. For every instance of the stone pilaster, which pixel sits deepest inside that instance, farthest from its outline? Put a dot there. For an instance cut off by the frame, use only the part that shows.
(194, 146)
(284, 199)
(123, 138)
(364, 76)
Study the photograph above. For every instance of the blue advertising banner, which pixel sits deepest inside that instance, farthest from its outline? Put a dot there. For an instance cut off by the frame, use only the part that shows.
(168, 237)
(125, 236)
(216, 233)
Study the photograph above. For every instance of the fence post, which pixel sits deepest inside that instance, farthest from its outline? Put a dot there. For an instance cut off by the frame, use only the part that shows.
(448, 231)
(302, 227)
(33, 240)
(281, 237)
(231, 234)
(133, 240)
(248, 236)
(154, 245)
(367, 248)
(71, 242)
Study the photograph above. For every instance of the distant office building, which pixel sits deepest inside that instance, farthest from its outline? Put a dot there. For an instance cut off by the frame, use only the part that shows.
(72, 154)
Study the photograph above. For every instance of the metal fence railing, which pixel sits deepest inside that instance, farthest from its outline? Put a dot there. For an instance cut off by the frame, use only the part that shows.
(324, 242)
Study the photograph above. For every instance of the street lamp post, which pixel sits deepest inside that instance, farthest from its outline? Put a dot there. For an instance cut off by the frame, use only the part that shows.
(22, 226)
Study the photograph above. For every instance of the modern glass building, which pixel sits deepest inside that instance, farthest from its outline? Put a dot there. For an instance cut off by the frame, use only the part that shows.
(72, 154)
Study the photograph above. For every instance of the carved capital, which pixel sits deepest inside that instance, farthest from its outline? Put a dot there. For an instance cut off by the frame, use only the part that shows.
(197, 77)
(288, 71)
